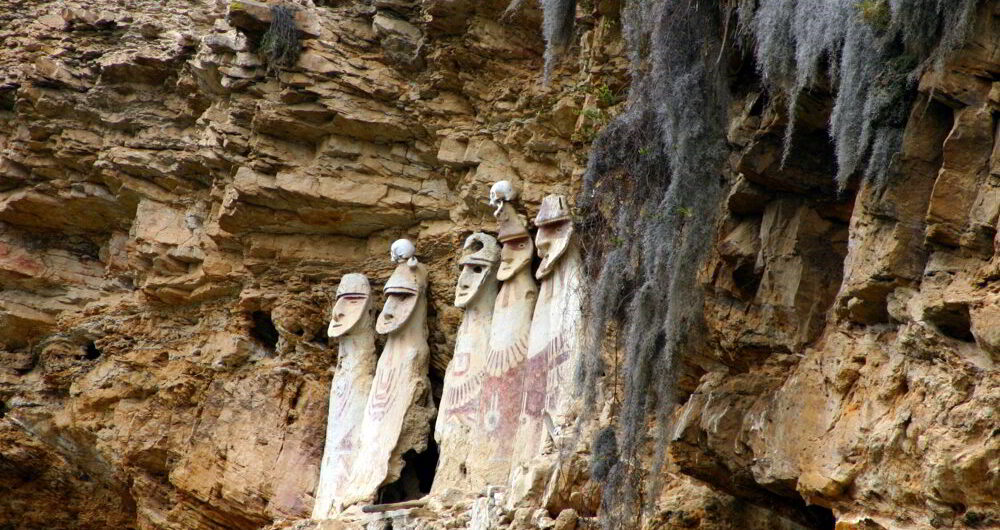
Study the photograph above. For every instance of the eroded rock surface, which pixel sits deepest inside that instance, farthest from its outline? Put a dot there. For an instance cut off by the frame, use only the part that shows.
(173, 222)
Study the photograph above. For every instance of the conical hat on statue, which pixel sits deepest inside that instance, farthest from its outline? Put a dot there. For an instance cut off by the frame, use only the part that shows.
(354, 283)
(554, 209)
(404, 280)
(487, 254)
(509, 225)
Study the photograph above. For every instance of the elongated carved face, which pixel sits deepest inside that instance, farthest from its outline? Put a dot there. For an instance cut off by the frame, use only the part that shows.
(514, 256)
(470, 282)
(397, 310)
(552, 240)
(348, 311)
(352, 307)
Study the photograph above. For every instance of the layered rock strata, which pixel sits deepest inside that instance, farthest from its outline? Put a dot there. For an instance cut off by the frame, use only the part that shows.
(173, 221)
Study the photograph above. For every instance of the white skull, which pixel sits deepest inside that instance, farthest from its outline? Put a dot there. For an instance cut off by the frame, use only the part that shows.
(502, 191)
(401, 250)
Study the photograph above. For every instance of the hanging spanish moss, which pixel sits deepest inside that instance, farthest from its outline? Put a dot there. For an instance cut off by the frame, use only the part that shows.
(280, 44)
(874, 49)
(557, 29)
(652, 189)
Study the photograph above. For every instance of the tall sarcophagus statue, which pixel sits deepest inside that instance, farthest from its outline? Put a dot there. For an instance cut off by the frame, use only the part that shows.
(458, 430)
(351, 322)
(551, 404)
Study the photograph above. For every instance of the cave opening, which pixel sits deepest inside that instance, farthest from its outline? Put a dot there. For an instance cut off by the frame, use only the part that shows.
(952, 320)
(90, 351)
(820, 517)
(416, 478)
(321, 337)
(263, 329)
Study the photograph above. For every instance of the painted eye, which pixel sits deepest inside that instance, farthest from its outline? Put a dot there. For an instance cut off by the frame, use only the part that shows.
(477, 269)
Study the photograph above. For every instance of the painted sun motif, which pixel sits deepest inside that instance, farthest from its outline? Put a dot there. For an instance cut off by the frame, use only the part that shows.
(492, 418)
(498, 362)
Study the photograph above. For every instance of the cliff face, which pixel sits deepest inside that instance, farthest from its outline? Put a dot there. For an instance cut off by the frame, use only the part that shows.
(852, 349)
(174, 219)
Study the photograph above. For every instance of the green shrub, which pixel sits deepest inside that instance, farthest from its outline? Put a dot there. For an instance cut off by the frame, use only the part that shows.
(606, 97)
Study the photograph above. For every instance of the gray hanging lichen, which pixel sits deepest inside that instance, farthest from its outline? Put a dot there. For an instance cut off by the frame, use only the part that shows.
(874, 49)
(652, 190)
(654, 181)
(557, 28)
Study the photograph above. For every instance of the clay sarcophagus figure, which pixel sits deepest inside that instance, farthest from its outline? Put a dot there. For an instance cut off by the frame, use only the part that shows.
(351, 322)
(561, 298)
(502, 394)
(457, 430)
(550, 403)
(399, 410)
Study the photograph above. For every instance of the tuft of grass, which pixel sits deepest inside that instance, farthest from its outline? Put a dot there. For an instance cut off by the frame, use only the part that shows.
(596, 120)
(592, 114)
(280, 45)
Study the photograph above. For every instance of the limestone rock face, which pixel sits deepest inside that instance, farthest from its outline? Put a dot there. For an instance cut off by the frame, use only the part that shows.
(851, 363)
(174, 220)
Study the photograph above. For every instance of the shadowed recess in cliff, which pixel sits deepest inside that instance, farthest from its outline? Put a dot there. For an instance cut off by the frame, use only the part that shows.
(415, 479)
(872, 51)
(263, 329)
(90, 351)
(651, 193)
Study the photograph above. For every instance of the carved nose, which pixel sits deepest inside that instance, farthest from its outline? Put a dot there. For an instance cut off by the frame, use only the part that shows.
(338, 316)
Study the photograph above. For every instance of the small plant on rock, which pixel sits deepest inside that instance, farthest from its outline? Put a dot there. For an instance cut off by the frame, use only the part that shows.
(592, 114)
(606, 97)
(280, 45)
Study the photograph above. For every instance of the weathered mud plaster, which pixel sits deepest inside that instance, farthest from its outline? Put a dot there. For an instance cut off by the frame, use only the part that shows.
(458, 427)
(351, 323)
(502, 395)
(550, 404)
(400, 406)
